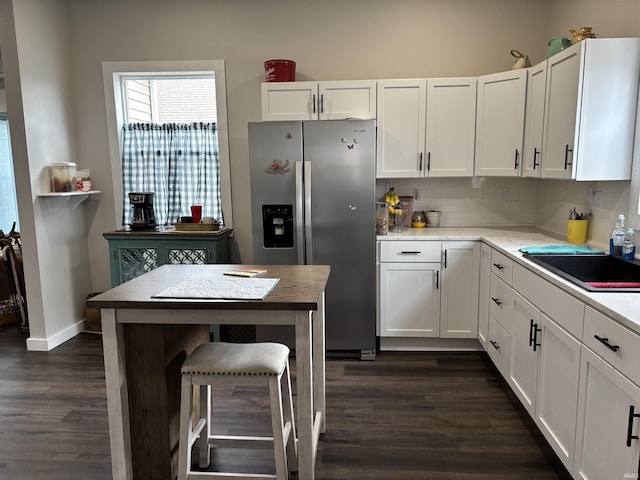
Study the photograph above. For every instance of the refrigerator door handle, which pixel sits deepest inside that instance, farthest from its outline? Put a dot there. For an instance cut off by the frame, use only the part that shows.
(299, 213)
(308, 247)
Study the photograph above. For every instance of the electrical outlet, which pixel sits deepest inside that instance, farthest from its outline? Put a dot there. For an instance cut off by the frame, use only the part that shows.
(504, 193)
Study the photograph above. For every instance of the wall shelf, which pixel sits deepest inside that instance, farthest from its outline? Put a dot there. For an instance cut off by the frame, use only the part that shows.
(56, 200)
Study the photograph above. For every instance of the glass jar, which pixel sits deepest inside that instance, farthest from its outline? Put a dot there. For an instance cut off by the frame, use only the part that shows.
(63, 177)
(382, 218)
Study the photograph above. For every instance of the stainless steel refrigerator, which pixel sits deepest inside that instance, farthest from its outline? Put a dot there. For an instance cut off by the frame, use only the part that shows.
(313, 202)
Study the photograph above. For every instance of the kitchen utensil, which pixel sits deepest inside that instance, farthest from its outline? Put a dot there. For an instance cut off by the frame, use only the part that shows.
(196, 213)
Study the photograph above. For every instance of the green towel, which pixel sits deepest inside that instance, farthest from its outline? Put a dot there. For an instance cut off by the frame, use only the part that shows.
(561, 250)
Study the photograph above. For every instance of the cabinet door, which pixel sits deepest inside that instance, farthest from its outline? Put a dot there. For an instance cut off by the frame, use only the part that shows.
(340, 100)
(289, 101)
(534, 120)
(524, 352)
(409, 299)
(604, 447)
(401, 128)
(459, 294)
(558, 379)
(561, 105)
(451, 127)
(500, 123)
(484, 293)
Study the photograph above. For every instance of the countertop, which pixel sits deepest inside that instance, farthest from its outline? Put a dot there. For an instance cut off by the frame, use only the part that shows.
(620, 306)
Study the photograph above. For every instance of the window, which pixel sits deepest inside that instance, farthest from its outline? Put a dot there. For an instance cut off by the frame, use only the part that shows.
(175, 98)
(9, 210)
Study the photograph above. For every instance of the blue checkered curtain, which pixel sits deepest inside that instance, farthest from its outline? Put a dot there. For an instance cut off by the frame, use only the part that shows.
(178, 162)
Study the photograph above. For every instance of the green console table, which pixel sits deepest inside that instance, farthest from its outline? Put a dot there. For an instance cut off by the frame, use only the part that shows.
(133, 253)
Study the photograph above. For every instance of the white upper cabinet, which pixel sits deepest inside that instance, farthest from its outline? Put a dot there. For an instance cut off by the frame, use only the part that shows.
(534, 120)
(590, 110)
(426, 127)
(451, 127)
(401, 128)
(336, 100)
(500, 123)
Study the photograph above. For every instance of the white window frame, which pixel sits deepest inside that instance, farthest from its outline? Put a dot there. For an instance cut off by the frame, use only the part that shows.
(113, 74)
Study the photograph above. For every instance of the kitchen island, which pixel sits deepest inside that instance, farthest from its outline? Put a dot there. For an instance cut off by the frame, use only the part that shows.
(147, 339)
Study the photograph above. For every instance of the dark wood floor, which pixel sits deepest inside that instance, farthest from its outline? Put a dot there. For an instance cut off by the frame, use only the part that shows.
(427, 416)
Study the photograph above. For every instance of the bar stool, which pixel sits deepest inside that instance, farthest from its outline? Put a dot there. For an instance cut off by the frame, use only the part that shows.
(218, 363)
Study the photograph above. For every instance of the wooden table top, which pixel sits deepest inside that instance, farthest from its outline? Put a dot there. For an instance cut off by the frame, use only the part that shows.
(300, 288)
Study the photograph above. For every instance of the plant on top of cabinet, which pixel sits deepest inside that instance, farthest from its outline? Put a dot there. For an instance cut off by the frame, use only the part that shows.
(590, 110)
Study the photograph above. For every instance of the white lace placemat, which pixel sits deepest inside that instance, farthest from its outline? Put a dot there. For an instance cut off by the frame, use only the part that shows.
(221, 287)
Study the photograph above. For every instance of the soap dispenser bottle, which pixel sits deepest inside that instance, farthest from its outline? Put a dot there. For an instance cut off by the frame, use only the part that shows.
(617, 237)
(629, 245)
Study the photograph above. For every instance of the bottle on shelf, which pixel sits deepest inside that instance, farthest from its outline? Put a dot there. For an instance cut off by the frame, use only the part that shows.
(617, 237)
(629, 245)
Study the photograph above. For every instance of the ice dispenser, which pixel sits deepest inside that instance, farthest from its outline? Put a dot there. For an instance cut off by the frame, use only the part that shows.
(277, 226)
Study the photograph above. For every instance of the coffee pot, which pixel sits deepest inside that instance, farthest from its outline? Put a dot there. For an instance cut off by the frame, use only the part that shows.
(143, 217)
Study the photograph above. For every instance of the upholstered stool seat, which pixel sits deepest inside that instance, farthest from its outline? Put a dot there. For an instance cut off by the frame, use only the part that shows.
(219, 363)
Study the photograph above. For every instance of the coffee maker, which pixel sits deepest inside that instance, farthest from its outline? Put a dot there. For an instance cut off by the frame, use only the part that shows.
(143, 217)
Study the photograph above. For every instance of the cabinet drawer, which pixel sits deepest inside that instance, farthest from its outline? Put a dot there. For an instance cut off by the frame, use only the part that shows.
(410, 251)
(626, 344)
(501, 302)
(565, 310)
(502, 266)
(499, 346)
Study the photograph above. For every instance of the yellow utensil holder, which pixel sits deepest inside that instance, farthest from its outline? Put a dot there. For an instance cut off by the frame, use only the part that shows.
(577, 231)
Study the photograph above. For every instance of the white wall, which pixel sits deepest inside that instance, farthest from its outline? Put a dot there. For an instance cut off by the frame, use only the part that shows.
(36, 59)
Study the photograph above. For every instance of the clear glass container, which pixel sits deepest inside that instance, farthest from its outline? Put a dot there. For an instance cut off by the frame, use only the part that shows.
(382, 218)
(63, 177)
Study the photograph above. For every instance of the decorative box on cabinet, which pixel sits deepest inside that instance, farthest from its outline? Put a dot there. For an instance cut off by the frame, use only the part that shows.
(132, 253)
(590, 110)
(334, 100)
(500, 123)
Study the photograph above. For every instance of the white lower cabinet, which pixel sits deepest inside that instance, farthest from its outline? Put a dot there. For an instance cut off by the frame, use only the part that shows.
(429, 289)
(483, 294)
(499, 346)
(608, 428)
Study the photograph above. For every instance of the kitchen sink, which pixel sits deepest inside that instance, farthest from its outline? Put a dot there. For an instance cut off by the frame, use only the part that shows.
(595, 273)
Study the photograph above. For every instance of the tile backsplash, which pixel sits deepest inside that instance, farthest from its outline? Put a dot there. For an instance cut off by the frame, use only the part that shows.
(505, 201)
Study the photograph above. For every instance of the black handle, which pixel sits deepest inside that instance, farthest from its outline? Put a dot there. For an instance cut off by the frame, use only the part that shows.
(517, 159)
(445, 258)
(428, 160)
(497, 301)
(533, 335)
(437, 279)
(313, 102)
(420, 161)
(495, 345)
(536, 152)
(410, 252)
(322, 103)
(498, 266)
(567, 150)
(605, 342)
(630, 435)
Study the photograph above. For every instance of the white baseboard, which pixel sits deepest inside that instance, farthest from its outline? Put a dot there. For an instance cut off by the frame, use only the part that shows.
(407, 344)
(47, 344)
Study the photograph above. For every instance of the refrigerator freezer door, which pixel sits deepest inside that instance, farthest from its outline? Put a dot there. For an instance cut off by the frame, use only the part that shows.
(342, 159)
(274, 149)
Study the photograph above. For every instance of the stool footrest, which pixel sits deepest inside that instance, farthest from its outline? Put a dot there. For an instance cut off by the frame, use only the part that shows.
(196, 431)
(228, 476)
(240, 441)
